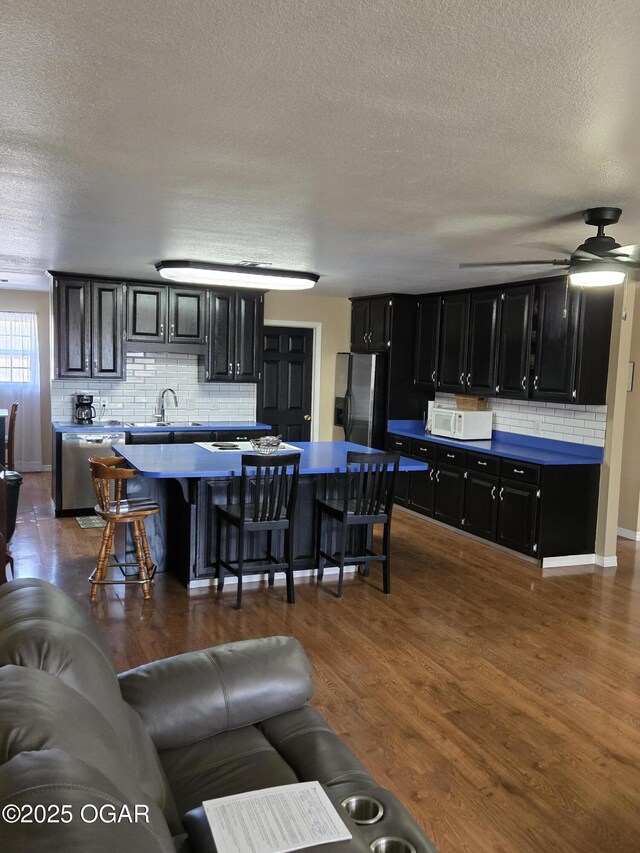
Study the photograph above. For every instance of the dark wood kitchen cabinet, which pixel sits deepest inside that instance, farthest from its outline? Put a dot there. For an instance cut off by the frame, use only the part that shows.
(481, 368)
(234, 340)
(160, 314)
(88, 333)
(517, 516)
(371, 324)
(452, 350)
(480, 510)
(573, 331)
(555, 346)
(427, 325)
(515, 341)
(449, 494)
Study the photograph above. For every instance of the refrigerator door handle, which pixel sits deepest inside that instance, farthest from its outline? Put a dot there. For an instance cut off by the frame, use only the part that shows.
(347, 416)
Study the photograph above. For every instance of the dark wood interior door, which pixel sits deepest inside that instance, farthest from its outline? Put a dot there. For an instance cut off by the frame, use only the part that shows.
(285, 394)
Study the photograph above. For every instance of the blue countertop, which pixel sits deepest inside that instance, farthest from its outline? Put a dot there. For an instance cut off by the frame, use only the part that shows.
(122, 426)
(528, 448)
(188, 460)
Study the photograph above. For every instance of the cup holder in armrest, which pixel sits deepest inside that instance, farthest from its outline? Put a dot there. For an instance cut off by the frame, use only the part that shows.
(363, 809)
(391, 844)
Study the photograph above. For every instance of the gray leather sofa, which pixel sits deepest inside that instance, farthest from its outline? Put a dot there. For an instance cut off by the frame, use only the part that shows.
(80, 747)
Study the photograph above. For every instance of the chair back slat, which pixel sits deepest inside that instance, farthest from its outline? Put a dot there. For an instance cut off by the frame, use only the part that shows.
(370, 483)
(275, 484)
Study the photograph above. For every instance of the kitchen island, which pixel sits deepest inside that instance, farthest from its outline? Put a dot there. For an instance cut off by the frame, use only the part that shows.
(189, 482)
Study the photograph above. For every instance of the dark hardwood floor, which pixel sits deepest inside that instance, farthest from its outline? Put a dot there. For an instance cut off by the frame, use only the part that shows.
(501, 708)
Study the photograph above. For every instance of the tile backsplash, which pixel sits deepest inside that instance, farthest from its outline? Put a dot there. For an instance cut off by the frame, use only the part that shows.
(578, 424)
(147, 375)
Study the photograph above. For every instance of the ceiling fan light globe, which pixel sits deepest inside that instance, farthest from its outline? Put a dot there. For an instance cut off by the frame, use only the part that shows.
(596, 277)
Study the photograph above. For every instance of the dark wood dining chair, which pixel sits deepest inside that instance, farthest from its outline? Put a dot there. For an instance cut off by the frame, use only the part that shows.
(114, 508)
(11, 437)
(366, 499)
(268, 492)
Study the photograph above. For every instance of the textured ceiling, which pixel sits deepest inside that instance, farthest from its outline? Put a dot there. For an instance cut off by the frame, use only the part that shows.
(376, 143)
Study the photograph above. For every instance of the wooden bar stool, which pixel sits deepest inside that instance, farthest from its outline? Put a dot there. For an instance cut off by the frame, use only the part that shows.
(104, 474)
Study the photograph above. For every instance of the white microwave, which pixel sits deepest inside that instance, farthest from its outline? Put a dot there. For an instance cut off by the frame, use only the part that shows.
(464, 425)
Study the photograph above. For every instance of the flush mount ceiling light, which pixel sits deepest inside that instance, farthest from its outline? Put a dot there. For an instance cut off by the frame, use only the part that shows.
(236, 275)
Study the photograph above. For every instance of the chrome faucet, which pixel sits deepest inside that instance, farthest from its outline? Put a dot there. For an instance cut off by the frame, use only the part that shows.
(161, 411)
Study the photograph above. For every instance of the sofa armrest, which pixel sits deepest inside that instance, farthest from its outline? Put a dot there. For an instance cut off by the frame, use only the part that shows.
(186, 698)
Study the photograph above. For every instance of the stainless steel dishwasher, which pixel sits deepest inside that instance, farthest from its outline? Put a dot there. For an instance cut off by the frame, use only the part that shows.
(77, 447)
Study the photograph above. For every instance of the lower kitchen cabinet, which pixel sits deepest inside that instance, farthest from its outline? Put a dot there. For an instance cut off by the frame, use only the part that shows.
(449, 494)
(480, 511)
(517, 516)
(537, 510)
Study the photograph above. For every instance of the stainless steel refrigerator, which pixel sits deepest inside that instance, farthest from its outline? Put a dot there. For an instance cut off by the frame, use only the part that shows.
(361, 401)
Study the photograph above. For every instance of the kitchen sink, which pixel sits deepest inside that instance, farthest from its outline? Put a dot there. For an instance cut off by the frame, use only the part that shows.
(162, 423)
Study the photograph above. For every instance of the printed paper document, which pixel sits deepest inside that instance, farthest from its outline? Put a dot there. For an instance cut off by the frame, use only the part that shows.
(275, 820)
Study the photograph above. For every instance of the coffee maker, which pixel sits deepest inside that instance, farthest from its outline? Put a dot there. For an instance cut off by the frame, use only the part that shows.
(85, 413)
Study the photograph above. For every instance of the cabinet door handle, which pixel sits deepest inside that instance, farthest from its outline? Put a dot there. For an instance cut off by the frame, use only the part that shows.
(95, 363)
(425, 449)
(451, 455)
(524, 383)
(162, 328)
(462, 378)
(431, 474)
(535, 383)
(230, 368)
(518, 471)
(172, 328)
(493, 493)
(433, 376)
(437, 476)
(501, 491)
(238, 368)
(86, 364)
(468, 379)
(482, 463)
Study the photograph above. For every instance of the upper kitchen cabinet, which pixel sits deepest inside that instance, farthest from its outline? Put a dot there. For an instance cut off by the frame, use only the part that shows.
(427, 324)
(573, 330)
(452, 351)
(161, 314)
(88, 334)
(234, 338)
(515, 341)
(482, 348)
(371, 324)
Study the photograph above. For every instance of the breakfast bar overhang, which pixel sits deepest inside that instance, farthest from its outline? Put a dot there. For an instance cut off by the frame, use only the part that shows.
(189, 481)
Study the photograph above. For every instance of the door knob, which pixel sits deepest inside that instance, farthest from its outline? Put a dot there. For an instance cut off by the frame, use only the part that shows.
(307, 417)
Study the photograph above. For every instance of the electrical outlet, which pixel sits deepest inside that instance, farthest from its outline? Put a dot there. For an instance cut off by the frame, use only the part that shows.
(537, 426)
(103, 401)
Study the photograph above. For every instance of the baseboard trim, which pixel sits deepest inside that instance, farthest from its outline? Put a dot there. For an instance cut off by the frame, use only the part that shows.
(606, 562)
(32, 468)
(569, 560)
(280, 580)
(629, 534)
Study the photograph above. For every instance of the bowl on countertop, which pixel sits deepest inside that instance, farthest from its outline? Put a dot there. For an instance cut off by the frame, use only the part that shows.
(267, 444)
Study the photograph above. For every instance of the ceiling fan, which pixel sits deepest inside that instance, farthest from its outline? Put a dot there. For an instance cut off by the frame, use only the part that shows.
(598, 262)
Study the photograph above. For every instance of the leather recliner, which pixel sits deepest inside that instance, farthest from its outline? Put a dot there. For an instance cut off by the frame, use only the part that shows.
(92, 761)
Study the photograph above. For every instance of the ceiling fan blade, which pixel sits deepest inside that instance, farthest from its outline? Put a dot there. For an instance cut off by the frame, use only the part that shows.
(632, 252)
(555, 262)
(547, 247)
(581, 255)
